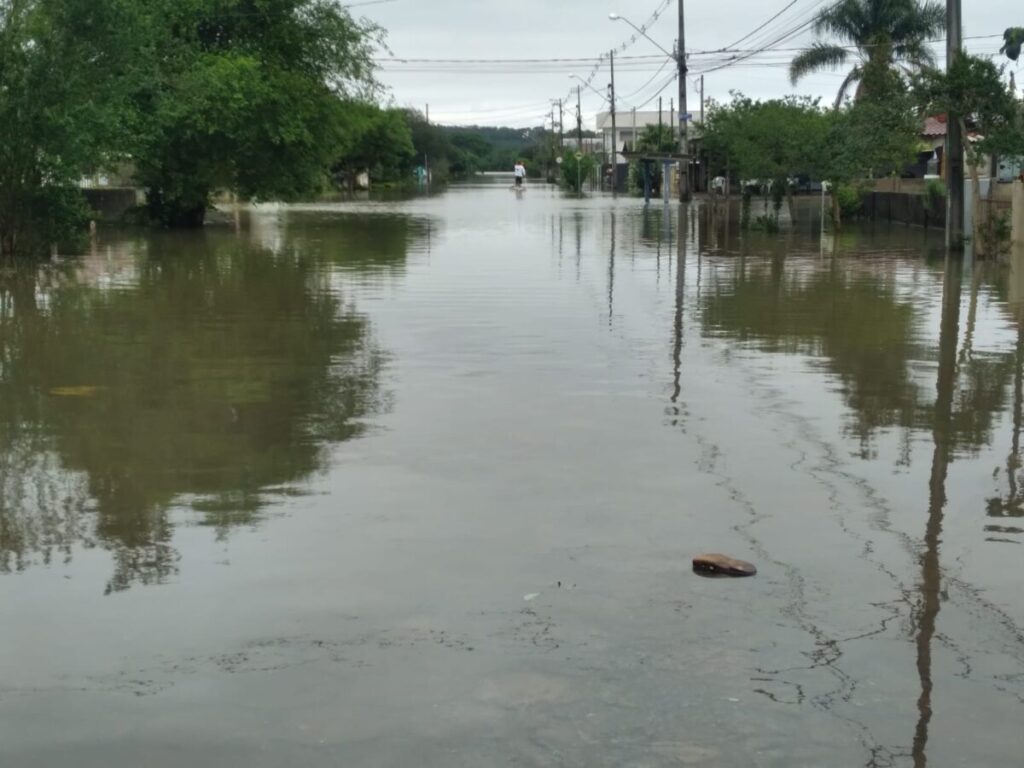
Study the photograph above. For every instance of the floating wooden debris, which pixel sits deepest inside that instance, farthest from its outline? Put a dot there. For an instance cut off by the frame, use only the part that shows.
(74, 391)
(721, 565)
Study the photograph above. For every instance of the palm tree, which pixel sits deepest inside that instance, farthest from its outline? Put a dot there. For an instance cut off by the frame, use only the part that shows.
(881, 34)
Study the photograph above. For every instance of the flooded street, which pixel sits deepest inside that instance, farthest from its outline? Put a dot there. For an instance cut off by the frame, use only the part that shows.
(419, 483)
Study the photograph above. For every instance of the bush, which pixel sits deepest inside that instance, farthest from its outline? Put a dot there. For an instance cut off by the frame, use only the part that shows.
(850, 200)
(35, 219)
(576, 173)
(995, 233)
(935, 193)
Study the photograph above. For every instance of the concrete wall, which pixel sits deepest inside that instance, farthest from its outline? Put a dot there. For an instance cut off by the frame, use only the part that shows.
(1000, 192)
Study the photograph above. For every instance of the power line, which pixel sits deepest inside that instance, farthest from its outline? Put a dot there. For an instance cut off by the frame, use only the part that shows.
(758, 29)
(651, 80)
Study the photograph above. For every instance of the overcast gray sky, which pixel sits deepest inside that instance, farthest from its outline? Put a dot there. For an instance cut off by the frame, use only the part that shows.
(518, 94)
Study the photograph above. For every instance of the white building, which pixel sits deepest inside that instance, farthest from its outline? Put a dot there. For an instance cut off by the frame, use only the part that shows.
(629, 125)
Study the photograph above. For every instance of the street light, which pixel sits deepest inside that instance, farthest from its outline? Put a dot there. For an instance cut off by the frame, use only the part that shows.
(616, 17)
(680, 59)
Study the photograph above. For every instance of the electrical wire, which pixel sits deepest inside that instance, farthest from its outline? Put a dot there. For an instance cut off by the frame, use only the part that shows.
(758, 29)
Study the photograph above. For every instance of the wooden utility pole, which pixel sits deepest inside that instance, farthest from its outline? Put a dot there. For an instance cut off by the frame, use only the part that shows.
(561, 129)
(954, 139)
(579, 119)
(551, 143)
(426, 157)
(615, 151)
(684, 143)
(702, 100)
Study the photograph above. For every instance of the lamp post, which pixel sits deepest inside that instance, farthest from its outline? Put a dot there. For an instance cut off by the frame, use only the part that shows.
(680, 58)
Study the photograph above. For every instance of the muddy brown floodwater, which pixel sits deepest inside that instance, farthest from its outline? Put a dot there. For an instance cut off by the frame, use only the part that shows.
(419, 483)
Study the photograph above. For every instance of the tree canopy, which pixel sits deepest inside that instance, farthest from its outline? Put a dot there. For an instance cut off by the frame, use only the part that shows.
(974, 92)
(62, 65)
(886, 34)
(260, 97)
(774, 139)
(1013, 39)
(246, 95)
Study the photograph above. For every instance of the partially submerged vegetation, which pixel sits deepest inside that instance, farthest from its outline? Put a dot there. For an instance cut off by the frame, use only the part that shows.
(265, 99)
(277, 99)
(873, 136)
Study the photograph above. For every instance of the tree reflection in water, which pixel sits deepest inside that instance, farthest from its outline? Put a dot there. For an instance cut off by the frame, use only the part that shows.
(216, 382)
(866, 335)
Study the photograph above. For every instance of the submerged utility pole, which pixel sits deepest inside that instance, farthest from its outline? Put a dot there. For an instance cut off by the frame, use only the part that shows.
(426, 157)
(684, 143)
(615, 151)
(954, 139)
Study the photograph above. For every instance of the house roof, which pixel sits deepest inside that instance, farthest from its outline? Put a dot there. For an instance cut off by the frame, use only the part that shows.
(935, 126)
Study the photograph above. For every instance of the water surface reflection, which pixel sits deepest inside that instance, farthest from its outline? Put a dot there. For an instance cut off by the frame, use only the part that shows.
(215, 378)
(417, 482)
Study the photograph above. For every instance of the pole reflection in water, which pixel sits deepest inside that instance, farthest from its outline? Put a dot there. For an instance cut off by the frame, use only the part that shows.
(677, 322)
(931, 570)
(1012, 505)
(611, 276)
(578, 232)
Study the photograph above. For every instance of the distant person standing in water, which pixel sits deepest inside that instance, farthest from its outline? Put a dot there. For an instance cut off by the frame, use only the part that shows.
(520, 173)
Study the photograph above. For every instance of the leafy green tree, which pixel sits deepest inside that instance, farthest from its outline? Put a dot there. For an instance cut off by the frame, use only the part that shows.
(431, 142)
(774, 140)
(887, 34)
(657, 138)
(376, 140)
(1013, 41)
(246, 95)
(653, 139)
(874, 137)
(974, 93)
(61, 112)
(577, 172)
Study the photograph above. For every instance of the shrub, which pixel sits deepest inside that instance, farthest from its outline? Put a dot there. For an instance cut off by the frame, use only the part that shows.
(576, 173)
(850, 200)
(935, 193)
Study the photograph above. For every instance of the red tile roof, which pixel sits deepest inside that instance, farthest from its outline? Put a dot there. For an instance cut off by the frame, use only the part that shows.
(934, 126)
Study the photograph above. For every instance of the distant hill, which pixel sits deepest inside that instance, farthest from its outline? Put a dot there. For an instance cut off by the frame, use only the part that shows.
(486, 148)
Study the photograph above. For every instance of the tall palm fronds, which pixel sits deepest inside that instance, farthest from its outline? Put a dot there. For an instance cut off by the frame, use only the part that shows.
(890, 34)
